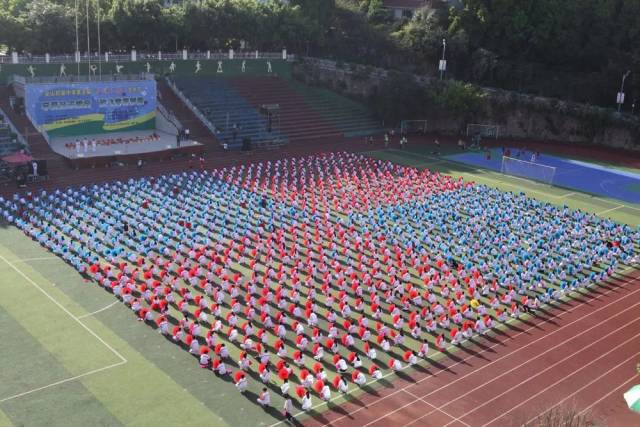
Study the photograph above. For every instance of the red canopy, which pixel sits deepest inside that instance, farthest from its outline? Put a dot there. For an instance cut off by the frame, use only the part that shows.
(17, 158)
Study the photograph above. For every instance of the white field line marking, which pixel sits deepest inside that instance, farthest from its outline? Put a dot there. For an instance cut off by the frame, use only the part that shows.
(546, 194)
(99, 311)
(443, 160)
(552, 366)
(48, 258)
(433, 406)
(123, 360)
(429, 163)
(610, 210)
(489, 348)
(526, 363)
(633, 378)
(95, 371)
(463, 360)
(562, 196)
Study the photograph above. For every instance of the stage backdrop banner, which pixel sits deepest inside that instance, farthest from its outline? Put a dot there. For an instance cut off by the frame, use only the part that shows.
(88, 108)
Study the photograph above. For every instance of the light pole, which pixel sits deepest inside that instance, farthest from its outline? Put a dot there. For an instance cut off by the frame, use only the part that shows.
(442, 66)
(620, 97)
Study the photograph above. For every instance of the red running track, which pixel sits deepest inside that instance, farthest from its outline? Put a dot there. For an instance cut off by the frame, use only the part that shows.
(580, 355)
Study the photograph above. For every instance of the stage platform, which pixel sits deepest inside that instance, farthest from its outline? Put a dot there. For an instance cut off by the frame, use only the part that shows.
(138, 142)
(123, 147)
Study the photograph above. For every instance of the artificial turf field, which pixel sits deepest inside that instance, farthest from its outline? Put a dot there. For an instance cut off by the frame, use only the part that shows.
(72, 356)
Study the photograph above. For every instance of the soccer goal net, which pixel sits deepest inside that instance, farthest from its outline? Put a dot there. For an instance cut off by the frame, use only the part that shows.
(529, 170)
(485, 131)
(413, 126)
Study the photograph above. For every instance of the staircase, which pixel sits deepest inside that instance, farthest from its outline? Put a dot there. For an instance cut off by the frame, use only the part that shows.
(37, 145)
(233, 117)
(298, 120)
(185, 116)
(8, 145)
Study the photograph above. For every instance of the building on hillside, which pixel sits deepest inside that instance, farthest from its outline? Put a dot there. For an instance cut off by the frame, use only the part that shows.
(402, 9)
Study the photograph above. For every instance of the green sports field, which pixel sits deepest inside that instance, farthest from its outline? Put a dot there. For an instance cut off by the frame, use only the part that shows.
(73, 355)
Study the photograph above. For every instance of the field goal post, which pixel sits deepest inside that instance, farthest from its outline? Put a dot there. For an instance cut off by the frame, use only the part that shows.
(529, 170)
(484, 130)
(413, 126)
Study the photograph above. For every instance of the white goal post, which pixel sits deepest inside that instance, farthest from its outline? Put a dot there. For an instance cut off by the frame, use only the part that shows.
(413, 126)
(528, 170)
(485, 131)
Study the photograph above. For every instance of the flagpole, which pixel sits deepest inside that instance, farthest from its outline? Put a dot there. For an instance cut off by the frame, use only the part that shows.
(99, 50)
(88, 42)
(77, 58)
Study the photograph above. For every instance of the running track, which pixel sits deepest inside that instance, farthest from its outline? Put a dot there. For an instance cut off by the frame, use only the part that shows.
(580, 354)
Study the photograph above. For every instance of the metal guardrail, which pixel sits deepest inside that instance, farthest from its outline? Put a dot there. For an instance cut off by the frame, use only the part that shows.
(82, 78)
(191, 107)
(140, 56)
(168, 115)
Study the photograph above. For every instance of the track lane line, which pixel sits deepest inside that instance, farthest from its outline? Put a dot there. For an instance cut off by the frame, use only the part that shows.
(500, 358)
(558, 381)
(598, 378)
(524, 364)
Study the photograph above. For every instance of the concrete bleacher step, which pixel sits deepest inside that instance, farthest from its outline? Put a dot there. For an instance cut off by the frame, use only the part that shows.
(305, 113)
(224, 107)
(295, 99)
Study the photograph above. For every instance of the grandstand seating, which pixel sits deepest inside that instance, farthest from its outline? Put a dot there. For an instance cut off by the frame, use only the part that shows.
(8, 143)
(305, 112)
(225, 108)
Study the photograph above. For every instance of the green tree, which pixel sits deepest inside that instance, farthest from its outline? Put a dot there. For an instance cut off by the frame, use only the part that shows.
(461, 100)
(49, 27)
(140, 23)
(12, 32)
(398, 97)
(317, 11)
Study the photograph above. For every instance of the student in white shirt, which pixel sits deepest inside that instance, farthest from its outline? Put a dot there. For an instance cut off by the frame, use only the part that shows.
(265, 398)
(306, 402)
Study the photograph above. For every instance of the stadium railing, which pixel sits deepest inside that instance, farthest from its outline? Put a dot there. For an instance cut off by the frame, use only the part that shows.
(140, 56)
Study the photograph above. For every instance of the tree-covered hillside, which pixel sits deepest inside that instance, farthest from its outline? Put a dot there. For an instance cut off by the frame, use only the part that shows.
(571, 49)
